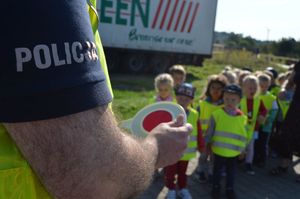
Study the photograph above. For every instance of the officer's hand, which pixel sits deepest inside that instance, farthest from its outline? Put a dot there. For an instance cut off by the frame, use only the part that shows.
(171, 140)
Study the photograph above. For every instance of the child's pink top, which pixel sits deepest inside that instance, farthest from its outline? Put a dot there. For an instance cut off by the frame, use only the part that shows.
(168, 99)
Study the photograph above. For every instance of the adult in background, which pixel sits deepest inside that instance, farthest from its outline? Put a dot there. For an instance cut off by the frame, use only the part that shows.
(290, 136)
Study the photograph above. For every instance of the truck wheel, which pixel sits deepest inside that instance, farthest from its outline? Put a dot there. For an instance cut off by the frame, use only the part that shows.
(135, 63)
(113, 60)
(160, 64)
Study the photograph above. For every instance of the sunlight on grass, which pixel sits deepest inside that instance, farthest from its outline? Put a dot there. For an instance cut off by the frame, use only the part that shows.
(133, 92)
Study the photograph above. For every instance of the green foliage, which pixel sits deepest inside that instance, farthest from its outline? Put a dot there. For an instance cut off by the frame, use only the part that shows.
(126, 102)
(287, 47)
(234, 41)
(240, 59)
(132, 92)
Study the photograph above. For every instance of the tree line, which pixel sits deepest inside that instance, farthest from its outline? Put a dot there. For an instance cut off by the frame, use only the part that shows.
(286, 47)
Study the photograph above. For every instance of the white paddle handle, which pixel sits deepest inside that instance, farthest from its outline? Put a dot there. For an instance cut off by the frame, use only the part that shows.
(126, 124)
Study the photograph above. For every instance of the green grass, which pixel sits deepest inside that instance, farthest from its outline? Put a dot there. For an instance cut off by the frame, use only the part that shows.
(126, 103)
(133, 92)
(243, 58)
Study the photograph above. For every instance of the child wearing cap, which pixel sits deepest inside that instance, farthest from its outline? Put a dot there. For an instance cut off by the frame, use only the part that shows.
(184, 96)
(227, 141)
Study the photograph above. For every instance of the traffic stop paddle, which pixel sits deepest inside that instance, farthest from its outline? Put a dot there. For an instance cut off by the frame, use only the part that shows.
(151, 116)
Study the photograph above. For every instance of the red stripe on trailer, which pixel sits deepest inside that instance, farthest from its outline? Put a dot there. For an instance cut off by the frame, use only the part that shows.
(193, 18)
(157, 14)
(172, 15)
(165, 15)
(187, 14)
(179, 15)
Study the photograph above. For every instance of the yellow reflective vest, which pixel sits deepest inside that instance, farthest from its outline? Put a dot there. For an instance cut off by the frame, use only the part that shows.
(268, 100)
(190, 152)
(275, 90)
(229, 140)
(17, 179)
(284, 106)
(251, 120)
(206, 109)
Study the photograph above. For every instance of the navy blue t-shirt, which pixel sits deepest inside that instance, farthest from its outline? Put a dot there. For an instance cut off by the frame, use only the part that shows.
(49, 63)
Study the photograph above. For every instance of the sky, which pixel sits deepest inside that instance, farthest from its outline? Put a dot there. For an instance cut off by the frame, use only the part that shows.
(260, 19)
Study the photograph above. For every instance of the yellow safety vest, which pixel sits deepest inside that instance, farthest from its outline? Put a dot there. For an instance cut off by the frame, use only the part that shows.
(284, 106)
(275, 90)
(268, 100)
(229, 140)
(251, 122)
(17, 179)
(190, 152)
(94, 22)
(206, 109)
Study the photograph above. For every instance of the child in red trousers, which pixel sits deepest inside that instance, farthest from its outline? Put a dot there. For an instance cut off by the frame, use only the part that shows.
(184, 96)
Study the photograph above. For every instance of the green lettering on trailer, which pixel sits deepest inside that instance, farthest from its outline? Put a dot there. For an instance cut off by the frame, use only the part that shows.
(139, 8)
(105, 4)
(121, 6)
(144, 14)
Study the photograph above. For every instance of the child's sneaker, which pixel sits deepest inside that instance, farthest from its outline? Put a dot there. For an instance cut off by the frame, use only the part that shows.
(201, 177)
(171, 194)
(184, 194)
(249, 169)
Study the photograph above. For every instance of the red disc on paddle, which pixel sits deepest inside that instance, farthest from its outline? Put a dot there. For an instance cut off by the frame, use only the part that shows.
(155, 118)
(151, 116)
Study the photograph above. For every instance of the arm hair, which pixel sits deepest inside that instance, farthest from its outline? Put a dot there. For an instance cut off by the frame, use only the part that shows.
(85, 155)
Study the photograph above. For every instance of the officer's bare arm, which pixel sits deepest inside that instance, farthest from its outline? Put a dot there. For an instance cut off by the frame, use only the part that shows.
(84, 155)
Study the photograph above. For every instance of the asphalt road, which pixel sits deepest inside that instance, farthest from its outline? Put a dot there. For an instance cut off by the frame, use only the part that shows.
(260, 186)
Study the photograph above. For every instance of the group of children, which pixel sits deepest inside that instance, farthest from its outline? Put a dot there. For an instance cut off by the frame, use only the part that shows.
(232, 121)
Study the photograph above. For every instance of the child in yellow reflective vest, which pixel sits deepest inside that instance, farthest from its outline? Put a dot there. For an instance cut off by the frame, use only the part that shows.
(273, 88)
(285, 96)
(253, 107)
(210, 102)
(227, 141)
(184, 96)
(269, 100)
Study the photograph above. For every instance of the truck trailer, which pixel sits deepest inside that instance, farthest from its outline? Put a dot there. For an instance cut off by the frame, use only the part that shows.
(151, 35)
